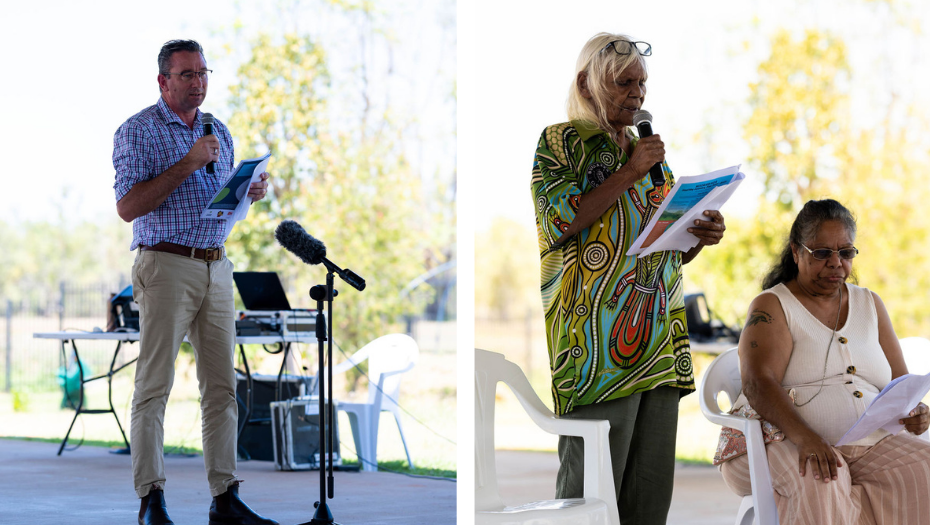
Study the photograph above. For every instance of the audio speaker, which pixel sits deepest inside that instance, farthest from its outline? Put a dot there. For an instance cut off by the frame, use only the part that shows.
(295, 428)
(255, 436)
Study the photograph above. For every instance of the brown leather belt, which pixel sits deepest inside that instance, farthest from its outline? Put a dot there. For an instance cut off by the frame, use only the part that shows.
(203, 254)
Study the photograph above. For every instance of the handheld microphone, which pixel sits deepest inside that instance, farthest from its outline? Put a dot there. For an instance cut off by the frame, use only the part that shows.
(642, 119)
(296, 240)
(207, 119)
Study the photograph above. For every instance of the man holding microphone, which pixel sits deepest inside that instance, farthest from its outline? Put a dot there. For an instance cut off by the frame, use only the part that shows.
(167, 171)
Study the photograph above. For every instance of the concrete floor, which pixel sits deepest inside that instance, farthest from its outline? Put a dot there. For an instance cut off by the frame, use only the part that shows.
(700, 496)
(90, 486)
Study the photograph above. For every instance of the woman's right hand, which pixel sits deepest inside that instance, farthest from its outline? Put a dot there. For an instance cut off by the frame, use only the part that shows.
(823, 459)
(646, 154)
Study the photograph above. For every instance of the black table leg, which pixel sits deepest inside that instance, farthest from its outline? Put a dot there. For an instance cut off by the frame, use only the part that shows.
(80, 407)
(77, 410)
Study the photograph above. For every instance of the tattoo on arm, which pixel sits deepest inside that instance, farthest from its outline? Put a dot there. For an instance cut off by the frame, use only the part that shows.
(753, 344)
(759, 316)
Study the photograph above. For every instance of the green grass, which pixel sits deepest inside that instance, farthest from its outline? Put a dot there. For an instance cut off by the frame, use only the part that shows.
(103, 443)
(395, 466)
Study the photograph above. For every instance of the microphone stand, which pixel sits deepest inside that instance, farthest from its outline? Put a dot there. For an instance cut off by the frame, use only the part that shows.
(322, 294)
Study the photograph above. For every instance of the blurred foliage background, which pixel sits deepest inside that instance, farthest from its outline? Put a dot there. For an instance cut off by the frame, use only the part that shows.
(356, 102)
(347, 163)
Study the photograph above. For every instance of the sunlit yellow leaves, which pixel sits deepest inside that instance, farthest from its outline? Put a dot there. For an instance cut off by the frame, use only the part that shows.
(800, 106)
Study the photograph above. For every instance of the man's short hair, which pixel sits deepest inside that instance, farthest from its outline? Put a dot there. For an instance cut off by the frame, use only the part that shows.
(171, 47)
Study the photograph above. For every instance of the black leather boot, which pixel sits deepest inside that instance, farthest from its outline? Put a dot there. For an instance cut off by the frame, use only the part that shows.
(153, 510)
(228, 509)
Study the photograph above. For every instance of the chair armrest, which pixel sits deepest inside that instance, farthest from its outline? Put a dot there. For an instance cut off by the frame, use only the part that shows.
(598, 470)
(729, 420)
(399, 370)
(763, 496)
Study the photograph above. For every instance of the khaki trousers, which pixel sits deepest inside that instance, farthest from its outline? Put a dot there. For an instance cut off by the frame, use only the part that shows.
(178, 295)
(886, 484)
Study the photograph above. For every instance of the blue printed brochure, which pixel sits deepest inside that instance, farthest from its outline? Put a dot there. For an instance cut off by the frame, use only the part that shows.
(232, 202)
(689, 198)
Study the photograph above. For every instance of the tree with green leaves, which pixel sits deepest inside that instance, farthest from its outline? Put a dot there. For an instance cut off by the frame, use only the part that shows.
(803, 142)
(349, 186)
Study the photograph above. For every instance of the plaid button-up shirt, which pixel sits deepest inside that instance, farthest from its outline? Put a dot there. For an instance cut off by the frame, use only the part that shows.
(149, 143)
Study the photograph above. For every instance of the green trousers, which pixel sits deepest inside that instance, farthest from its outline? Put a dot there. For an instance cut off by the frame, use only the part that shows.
(643, 427)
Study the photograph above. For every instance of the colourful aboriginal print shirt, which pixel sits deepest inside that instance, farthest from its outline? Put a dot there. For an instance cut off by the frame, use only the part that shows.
(615, 325)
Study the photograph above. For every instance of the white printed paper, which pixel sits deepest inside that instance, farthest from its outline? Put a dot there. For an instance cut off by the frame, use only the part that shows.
(232, 202)
(893, 403)
(689, 198)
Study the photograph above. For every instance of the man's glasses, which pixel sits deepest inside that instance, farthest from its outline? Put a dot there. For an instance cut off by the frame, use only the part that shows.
(822, 254)
(187, 76)
(625, 47)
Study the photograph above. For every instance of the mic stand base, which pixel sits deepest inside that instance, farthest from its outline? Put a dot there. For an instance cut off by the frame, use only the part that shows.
(322, 516)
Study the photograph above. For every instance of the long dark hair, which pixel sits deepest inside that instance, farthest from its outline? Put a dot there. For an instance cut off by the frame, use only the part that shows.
(806, 224)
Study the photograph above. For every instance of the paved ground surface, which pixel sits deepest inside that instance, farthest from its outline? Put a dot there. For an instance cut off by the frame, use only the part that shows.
(90, 486)
(700, 496)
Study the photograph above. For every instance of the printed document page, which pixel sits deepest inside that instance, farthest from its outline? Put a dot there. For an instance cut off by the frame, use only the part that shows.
(894, 402)
(689, 198)
(232, 202)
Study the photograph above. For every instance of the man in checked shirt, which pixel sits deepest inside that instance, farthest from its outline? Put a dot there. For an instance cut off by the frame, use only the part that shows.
(181, 278)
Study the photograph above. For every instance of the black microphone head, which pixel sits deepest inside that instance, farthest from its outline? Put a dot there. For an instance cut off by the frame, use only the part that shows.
(294, 239)
(641, 115)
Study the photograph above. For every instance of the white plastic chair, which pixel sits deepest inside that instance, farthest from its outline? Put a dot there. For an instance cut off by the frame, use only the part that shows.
(916, 355)
(388, 357)
(599, 505)
(723, 376)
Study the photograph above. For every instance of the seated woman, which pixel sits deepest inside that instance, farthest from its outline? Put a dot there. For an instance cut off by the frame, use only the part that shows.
(815, 352)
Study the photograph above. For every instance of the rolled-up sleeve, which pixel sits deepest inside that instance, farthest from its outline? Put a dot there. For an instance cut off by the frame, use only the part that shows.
(555, 189)
(133, 154)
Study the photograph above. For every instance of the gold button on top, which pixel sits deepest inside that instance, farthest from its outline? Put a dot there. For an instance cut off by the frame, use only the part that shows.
(857, 393)
(843, 340)
(850, 369)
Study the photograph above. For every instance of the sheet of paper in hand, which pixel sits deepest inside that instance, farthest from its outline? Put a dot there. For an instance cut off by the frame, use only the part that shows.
(232, 202)
(234, 195)
(894, 402)
(668, 229)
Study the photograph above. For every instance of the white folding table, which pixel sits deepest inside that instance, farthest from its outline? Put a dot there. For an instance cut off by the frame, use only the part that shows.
(131, 337)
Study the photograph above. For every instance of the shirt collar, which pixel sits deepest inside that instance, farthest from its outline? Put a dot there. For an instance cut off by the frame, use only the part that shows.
(171, 116)
(587, 129)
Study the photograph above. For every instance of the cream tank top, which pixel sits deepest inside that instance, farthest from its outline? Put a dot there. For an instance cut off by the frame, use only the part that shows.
(857, 368)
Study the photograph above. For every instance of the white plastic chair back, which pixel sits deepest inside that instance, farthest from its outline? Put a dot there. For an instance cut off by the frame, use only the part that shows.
(599, 503)
(916, 354)
(917, 357)
(388, 357)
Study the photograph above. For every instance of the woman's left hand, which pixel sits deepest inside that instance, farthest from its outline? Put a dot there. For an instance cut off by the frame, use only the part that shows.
(918, 420)
(709, 232)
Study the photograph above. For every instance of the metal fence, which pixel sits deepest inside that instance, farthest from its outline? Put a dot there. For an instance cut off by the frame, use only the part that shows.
(30, 365)
(34, 365)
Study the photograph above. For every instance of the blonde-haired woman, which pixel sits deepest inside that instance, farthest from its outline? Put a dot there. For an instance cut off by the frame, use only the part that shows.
(615, 325)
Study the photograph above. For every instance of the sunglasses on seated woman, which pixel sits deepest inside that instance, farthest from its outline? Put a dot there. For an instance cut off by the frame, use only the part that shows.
(822, 254)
